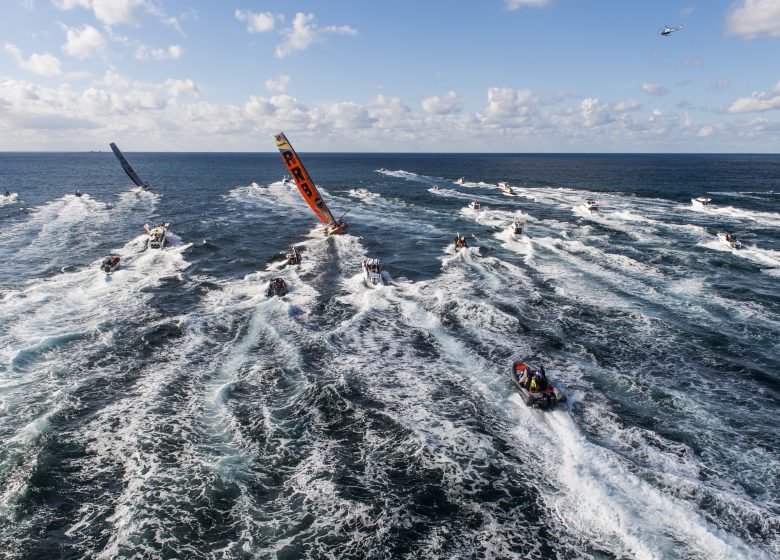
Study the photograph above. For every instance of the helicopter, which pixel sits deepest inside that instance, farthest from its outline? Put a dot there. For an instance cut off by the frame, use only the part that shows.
(666, 31)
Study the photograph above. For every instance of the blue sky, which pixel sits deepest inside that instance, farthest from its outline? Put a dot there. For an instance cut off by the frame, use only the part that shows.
(431, 75)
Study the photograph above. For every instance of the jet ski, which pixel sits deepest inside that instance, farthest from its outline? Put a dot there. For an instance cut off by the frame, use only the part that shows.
(590, 205)
(537, 393)
(156, 235)
(475, 205)
(109, 264)
(517, 227)
(294, 256)
(372, 272)
(700, 202)
(505, 188)
(730, 240)
(277, 287)
(460, 242)
(461, 181)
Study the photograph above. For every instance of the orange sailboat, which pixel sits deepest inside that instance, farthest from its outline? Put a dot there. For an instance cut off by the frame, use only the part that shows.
(308, 190)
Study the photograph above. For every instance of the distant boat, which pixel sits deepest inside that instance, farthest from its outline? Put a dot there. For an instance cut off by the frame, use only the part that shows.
(590, 205)
(128, 168)
(700, 202)
(730, 240)
(461, 181)
(505, 188)
(475, 205)
(307, 188)
(517, 227)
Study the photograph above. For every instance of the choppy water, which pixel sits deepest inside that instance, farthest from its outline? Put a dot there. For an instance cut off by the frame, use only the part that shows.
(174, 411)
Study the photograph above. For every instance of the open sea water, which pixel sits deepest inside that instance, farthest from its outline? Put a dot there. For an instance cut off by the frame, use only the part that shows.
(172, 410)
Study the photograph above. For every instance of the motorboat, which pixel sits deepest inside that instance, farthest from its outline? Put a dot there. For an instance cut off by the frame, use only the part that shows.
(461, 181)
(460, 242)
(730, 240)
(156, 235)
(475, 205)
(277, 287)
(533, 386)
(700, 202)
(78, 193)
(590, 205)
(382, 170)
(286, 180)
(372, 272)
(293, 256)
(517, 227)
(505, 188)
(435, 188)
(110, 263)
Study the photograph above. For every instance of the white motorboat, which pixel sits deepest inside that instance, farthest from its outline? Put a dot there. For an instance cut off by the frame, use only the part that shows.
(730, 240)
(156, 235)
(505, 188)
(372, 272)
(461, 181)
(286, 180)
(517, 227)
(590, 205)
(700, 202)
(475, 205)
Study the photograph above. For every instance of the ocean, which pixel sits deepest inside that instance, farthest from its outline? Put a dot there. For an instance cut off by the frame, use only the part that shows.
(172, 410)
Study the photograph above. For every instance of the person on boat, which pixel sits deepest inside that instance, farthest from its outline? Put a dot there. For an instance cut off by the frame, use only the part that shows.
(525, 379)
(7, 194)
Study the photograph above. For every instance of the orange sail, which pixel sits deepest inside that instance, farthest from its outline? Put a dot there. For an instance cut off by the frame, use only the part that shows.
(303, 180)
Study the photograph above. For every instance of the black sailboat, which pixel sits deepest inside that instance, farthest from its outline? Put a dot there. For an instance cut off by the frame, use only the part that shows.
(129, 168)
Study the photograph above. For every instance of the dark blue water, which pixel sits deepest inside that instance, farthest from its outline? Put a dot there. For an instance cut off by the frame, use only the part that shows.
(173, 410)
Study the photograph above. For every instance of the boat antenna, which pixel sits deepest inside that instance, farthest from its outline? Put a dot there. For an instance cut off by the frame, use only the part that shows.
(344, 214)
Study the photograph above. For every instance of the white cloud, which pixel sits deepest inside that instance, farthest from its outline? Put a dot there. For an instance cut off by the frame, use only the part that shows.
(759, 101)
(109, 12)
(179, 87)
(436, 105)
(750, 19)
(83, 43)
(595, 112)
(173, 112)
(257, 22)
(654, 89)
(43, 64)
(173, 52)
(304, 32)
(506, 102)
(279, 85)
(517, 4)
(627, 106)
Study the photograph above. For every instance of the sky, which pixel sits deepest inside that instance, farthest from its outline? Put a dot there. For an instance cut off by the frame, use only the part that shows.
(395, 76)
